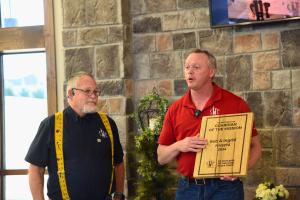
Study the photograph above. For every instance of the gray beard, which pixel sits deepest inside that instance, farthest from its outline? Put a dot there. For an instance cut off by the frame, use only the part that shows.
(90, 109)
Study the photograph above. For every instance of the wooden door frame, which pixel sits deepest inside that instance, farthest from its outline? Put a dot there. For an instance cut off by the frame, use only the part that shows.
(29, 38)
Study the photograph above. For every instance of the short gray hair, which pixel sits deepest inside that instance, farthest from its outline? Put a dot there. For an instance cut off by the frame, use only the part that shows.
(73, 79)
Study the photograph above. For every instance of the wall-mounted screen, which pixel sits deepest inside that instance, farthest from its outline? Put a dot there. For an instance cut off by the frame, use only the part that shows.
(242, 12)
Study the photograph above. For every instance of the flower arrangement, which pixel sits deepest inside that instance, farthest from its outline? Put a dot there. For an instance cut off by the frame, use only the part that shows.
(269, 191)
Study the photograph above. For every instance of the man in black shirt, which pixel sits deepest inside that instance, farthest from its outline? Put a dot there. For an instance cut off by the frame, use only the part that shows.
(92, 166)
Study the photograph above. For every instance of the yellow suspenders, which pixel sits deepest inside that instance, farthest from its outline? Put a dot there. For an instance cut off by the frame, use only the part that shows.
(109, 131)
(58, 139)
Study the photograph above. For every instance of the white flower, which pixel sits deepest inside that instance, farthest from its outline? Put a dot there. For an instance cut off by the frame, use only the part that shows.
(268, 191)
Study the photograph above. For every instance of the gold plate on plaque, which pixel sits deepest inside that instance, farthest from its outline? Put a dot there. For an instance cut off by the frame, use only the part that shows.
(227, 151)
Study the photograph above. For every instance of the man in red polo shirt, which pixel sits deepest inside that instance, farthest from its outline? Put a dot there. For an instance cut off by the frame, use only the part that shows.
(179, 137)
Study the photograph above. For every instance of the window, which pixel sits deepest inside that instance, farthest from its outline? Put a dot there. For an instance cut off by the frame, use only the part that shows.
(25, 94)
(28, 86)
(18, 13)
(22, 192)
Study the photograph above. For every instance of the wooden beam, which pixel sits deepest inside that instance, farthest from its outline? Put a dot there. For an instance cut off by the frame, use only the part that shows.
(16, 172)
(50, 56)
(22, 38)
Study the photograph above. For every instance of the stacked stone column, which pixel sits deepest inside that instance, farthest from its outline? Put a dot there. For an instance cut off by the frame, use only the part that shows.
(96, 39)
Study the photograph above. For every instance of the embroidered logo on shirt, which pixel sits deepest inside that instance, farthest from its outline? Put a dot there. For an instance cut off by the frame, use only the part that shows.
(102, 135)
(214, 111)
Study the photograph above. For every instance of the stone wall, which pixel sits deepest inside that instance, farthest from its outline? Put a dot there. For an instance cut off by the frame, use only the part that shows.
(96, 38)
(133, 46)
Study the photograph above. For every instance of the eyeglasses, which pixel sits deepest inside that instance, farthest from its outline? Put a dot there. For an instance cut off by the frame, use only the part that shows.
(88, 92)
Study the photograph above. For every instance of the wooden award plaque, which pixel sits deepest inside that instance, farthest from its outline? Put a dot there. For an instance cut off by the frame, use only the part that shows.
(227, 151)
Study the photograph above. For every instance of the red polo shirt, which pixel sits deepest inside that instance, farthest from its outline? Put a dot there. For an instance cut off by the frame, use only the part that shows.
(180, 121)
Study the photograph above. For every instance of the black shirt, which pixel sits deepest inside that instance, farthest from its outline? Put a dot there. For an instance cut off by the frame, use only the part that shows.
(87, 155)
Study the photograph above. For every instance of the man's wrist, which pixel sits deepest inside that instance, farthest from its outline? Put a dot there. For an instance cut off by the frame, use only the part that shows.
(119, 196)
